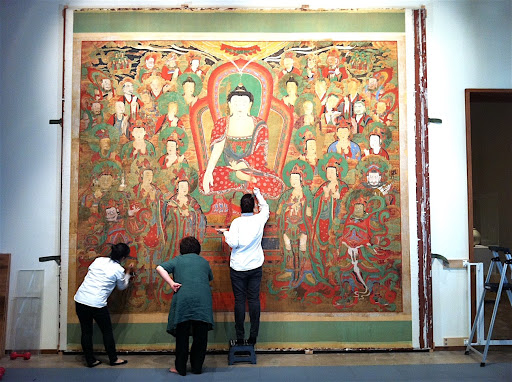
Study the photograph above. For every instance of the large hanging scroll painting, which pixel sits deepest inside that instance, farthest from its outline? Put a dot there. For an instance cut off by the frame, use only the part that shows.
(170, 133)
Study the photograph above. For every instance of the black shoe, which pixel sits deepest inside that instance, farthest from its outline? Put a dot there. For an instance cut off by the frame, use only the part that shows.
(251, 341)
(118, 363)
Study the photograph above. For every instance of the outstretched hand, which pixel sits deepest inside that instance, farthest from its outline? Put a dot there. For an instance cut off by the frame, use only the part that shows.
(256, 190)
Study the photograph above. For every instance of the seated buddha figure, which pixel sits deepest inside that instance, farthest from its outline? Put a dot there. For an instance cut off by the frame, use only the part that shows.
(239, 149)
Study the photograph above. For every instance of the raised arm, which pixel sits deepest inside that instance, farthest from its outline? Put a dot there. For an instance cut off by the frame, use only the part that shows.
(264, 209)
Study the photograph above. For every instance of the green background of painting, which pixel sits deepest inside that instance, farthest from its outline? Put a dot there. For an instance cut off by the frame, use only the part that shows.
(365, 333)
(247, 22)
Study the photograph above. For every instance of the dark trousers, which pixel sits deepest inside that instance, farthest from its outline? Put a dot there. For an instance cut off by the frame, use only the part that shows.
(246, 287)
(86, 315)
(199, 332)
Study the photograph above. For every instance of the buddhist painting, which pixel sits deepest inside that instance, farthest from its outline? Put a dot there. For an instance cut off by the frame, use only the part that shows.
(172, 133)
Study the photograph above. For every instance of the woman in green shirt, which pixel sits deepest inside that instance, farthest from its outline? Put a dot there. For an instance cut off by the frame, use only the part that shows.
(191, 310)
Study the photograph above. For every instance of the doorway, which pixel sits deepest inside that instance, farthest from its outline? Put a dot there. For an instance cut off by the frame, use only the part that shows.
(489, 148)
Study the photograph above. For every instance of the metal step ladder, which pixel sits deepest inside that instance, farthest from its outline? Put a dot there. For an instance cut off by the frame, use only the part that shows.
(503, 285)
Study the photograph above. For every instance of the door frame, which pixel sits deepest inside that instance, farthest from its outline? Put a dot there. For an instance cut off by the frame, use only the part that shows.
(477, 95)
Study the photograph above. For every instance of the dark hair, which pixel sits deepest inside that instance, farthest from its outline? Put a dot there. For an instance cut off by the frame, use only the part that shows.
(247, 203)
(190, 244)
(292, 79)
(119, 252)
(188, 79)
(240, 90)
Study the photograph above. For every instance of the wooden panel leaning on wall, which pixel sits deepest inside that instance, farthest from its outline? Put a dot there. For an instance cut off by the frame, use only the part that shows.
(5, 260)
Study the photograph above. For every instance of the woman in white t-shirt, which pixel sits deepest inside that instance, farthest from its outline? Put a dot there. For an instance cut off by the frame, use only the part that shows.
(104, 274)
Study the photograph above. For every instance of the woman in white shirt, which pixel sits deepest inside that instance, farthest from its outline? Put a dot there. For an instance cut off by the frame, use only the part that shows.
(103, 276)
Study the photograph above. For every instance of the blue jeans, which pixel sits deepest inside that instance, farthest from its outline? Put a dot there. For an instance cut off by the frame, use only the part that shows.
(246, 287)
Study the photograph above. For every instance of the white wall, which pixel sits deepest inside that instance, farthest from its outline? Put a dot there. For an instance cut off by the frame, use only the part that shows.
(31, 73)
(469, 44)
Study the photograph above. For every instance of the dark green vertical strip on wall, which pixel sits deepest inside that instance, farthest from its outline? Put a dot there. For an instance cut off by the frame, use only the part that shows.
(361, 332)
(247, 22)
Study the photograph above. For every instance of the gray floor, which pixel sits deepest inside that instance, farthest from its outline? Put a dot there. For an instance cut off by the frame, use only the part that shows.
(317, 367)
(500, 372)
